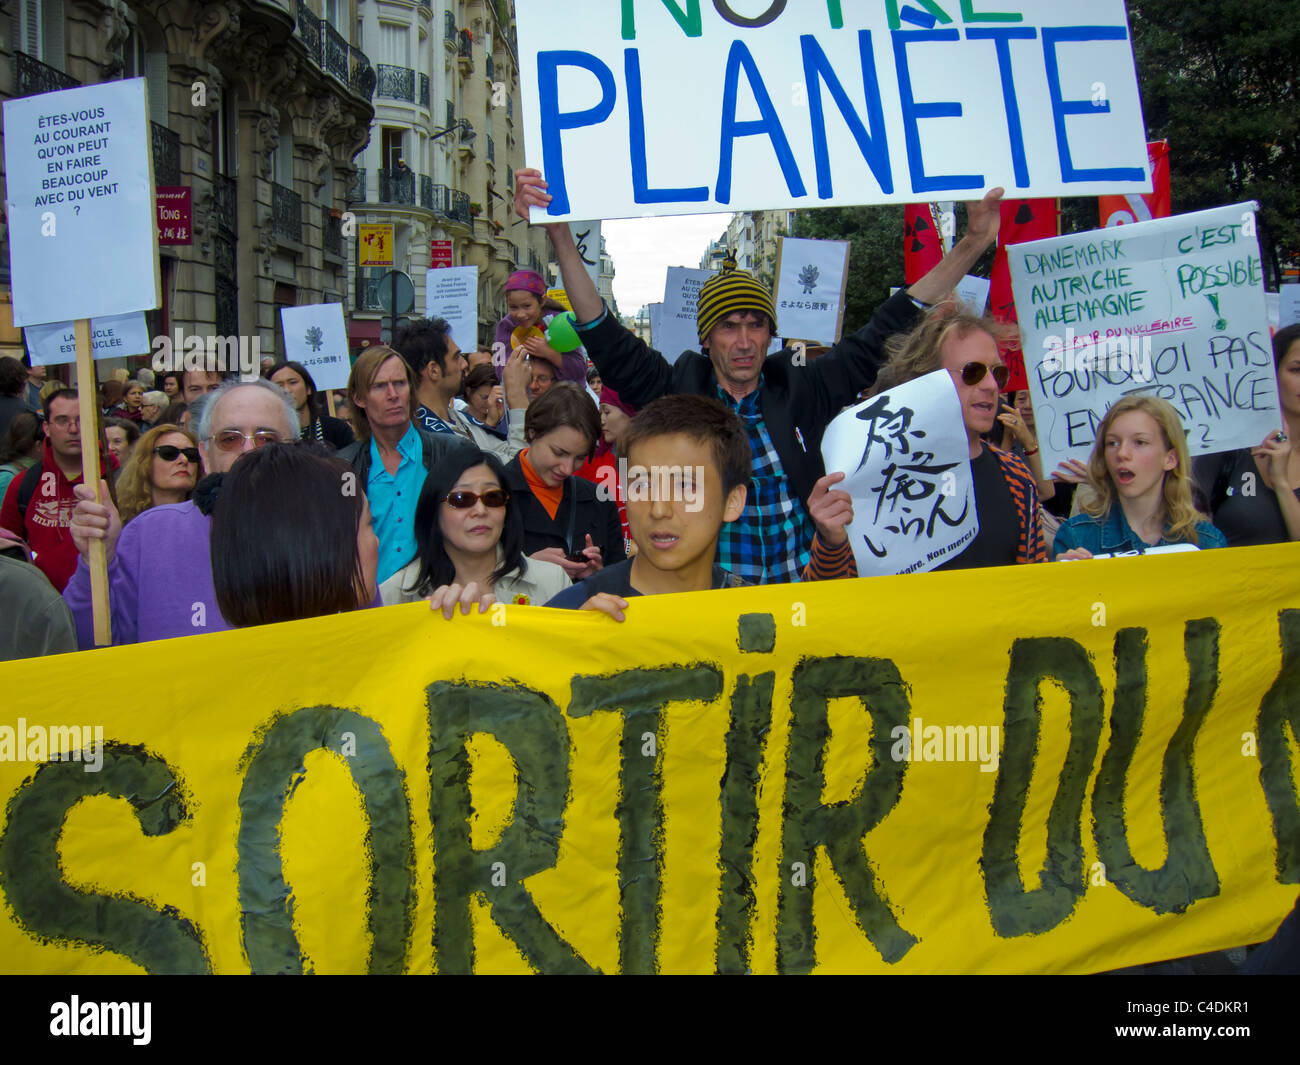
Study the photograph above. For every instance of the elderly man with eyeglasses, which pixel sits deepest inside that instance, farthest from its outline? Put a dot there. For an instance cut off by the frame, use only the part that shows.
(160, 566)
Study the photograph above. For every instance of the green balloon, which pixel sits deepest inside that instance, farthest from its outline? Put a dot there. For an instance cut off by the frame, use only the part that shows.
(561, 335)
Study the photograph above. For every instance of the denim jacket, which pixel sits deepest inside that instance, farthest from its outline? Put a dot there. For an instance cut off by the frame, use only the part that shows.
(1112, 535)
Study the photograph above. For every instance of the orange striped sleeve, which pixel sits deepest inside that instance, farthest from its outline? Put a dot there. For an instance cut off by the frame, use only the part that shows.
(830, 563)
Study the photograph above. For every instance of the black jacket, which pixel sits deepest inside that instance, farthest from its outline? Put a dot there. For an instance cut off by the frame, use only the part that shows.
(436, 447)
(591, 514)
(791, 397)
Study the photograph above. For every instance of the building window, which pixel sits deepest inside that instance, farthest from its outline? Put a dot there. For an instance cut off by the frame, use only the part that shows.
(391, 145)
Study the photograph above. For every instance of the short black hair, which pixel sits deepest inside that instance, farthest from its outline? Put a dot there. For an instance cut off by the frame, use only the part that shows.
(13, 377)
(284, 537)
(58, 393)
(423, 341)
(704, 420)
(563, 404)
(436, 566)
(1282, 341)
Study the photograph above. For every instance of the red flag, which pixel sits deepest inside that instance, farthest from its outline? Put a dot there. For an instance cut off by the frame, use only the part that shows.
(1022, 220)
(1141, 206)
(922, 242)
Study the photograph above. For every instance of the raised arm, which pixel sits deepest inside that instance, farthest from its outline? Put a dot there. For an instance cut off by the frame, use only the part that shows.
(982, 221)
(530, 191)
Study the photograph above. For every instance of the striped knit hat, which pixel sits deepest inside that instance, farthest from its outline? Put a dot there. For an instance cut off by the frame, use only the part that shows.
(729, 291)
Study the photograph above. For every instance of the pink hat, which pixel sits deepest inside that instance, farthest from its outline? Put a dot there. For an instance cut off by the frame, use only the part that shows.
(526, 281)
(608, 395)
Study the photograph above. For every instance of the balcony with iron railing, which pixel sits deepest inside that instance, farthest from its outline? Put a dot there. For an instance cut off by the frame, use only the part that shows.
(286, 214)
(491, 152)
(357, 193)
(466, 135)
(361, 75)
(166, 155)
(395, 83)
(310, 28)
(368, 293)
(465, 51)
(32, 77)
(336, 53)
(449, 29)
(397, 185)
(426, 97)
(489, 65)
(331, 233)
(460, 208)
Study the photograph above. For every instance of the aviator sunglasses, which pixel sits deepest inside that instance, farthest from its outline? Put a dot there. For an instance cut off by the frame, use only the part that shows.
(170, 452)
(973, 373)
(233, 439)
(462, 500)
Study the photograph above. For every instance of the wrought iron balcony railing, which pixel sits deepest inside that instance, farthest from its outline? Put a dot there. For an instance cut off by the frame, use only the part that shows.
(357, 193)
(395, 83)
(425, 95)
(166, 155)
(286, 213)
(336, 53)
(448, 26)
(361, 75)
(466, 50)
(397, 185)
(32, 77)
(331, 233)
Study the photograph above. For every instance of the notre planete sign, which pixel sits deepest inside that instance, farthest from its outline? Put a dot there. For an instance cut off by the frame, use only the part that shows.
(666, 107)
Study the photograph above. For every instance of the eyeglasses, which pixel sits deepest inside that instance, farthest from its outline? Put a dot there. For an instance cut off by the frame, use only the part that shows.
(170, 452)
(973, 373)
(233, 439)
(493, 497)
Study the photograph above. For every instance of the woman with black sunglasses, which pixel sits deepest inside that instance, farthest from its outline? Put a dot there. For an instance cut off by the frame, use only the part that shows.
(1006, 498)
(163, 468)
(470, 541)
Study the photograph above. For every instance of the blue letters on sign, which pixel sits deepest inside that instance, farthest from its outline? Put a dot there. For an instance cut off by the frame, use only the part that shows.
(554, 120)
(641, 191)
(913, 112)
(771, 125)
(874, 146)
(1000, 37)
(1062, 107)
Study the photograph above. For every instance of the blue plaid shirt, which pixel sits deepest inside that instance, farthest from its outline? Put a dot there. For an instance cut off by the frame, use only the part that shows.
(771, 541)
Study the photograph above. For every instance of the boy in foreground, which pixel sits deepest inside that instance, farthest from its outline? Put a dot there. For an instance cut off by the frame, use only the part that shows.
(688, 468)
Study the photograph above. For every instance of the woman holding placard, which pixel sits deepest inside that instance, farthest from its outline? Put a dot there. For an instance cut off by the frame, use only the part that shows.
(1254, 494)
(1140, 473)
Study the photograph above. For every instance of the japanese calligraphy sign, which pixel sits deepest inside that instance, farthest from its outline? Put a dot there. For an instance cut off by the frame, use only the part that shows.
(586, 238)
(1173, 307)
(669, 107)
(907, 465)
(315, 336)
(810, 280)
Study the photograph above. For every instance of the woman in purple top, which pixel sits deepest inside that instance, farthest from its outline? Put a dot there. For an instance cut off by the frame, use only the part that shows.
(527, 305)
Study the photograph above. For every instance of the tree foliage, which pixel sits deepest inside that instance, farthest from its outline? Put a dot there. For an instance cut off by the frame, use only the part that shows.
(1218, 81)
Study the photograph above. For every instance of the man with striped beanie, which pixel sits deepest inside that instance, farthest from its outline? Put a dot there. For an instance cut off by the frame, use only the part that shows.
(785, 400)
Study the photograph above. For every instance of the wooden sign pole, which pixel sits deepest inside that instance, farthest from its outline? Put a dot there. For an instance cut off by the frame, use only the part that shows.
(88, 402)
(329, 401)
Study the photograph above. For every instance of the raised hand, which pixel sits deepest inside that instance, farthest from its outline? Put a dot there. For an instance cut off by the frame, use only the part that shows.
(831, 510)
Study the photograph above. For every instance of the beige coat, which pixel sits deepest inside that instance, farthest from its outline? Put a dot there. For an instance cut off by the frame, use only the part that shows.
(539, 583)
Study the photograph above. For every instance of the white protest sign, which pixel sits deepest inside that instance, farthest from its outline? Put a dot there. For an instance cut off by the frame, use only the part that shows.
(82, 225)
(676, 330)
(1288, 305)
(974, 293)
(907, 461)
(656, 313)
(1173, 307)
(586, 238)
(113, 336)
(809, 284)
(315, 336)
(452, 293)
(682, 107)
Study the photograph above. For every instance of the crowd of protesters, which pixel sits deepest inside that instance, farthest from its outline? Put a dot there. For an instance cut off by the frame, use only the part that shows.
(576, 479)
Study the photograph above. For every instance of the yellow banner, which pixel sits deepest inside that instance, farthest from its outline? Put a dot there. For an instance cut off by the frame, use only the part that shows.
(1062, 768)
(375, 244)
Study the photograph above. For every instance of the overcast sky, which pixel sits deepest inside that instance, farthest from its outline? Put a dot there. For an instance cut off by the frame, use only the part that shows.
(644, 248)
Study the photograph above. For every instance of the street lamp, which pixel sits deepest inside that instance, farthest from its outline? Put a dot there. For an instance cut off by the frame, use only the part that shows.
(466, 131)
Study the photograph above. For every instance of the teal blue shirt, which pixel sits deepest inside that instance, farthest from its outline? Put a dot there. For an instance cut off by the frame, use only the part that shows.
(392, 502)
(1111, 535)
